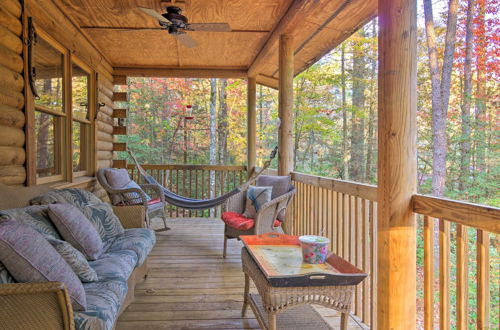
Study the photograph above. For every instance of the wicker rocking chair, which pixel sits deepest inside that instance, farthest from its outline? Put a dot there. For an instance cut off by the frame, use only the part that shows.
(134, 202)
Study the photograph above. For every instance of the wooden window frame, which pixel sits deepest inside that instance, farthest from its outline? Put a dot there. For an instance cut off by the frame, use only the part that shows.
(89, 136)
(64, 134)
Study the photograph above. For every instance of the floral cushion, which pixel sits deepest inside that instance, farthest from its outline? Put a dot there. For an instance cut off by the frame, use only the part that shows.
(240, 222)
(75, 259)
(30, 258)
(5, 276)
(36, 216)
(139, 240)
(115, 265)
(76, 229)
(99, 213)
(256, 197)
(104, 299)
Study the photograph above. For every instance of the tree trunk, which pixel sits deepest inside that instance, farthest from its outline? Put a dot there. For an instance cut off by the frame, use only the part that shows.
(222, 122)
(465, 143)
(357, 120)
(480, 111)
(260, 144)
(213, 139)
(297, 124)
(344, 174)
(440, 90)
(370, 143)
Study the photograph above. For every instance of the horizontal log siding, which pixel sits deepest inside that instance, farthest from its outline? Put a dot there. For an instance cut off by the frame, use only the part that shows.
(12, 138)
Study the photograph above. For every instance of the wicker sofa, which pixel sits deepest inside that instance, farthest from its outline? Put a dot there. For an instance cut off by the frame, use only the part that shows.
(123, 263)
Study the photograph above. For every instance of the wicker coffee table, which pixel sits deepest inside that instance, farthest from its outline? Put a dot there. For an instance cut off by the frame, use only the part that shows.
(273, 300)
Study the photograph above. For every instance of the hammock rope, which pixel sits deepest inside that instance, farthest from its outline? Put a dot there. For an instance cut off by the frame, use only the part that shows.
(201, 204)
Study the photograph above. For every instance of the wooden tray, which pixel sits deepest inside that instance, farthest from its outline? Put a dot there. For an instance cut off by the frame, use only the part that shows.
(279, 257)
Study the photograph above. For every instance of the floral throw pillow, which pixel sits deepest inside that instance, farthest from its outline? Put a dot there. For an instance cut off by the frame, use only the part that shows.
(256, 197)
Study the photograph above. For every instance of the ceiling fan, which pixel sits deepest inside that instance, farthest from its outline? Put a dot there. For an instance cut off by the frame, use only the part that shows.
(177, 25)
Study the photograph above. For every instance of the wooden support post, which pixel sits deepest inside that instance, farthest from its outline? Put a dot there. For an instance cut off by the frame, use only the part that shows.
(251, 124)
(396, 307)
(285, 135)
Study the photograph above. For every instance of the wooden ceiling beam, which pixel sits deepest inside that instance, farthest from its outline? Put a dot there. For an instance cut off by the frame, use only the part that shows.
(268, 81)
(180, 72)
(290, 20)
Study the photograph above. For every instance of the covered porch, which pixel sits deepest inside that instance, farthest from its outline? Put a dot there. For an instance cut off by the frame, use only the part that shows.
(190, 285)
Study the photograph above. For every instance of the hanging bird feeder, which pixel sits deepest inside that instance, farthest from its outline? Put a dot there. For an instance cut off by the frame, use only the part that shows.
(189, 112)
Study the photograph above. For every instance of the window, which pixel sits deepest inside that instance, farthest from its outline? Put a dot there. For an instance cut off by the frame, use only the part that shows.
(63, 113)
(81, 128)
(49, 114)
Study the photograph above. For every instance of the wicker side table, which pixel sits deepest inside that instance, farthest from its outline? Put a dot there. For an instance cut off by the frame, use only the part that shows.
(277, 299)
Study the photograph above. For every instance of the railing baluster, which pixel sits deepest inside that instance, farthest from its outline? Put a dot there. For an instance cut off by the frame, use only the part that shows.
(190, 188)
(346, 221)
(483, 271)
(340, 225)
(444, 274)
(462, 278)
(177, 190)
(374, 268)
(358, 248)
(335, 225)
(428, 273)
(366, 258)
(203, 185)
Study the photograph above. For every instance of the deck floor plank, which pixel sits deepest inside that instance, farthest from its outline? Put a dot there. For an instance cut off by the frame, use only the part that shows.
(190, 285)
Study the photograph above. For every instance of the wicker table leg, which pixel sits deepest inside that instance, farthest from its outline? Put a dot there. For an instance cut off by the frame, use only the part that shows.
(272, 321)
(245, 295)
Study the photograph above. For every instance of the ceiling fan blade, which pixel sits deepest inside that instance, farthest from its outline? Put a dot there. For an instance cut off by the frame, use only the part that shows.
(213, 27)
(186, 40)
(154, 14)
(141, 29)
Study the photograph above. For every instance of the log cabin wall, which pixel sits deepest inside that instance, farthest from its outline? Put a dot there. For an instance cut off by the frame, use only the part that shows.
(17, 149)
(12, 119)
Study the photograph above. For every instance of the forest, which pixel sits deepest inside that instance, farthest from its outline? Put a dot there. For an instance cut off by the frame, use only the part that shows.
(336, 109)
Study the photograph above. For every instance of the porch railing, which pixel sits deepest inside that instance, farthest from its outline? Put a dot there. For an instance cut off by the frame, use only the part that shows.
(194, 181)
(346, 213)
(455, 271)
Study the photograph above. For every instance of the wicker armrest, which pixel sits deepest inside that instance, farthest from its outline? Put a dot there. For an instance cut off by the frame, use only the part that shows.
(264, 220)
(155, 188)
(35, 306)
(236, 203)
(131, 216)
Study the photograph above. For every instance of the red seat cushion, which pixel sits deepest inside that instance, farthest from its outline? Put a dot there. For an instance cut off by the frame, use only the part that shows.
(154, 201)
(240, 222)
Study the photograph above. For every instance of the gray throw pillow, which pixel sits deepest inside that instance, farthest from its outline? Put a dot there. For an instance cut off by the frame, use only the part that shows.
(280, 184)
(117, 177)
(75, 259)
(256, 197)
(29, 258)
(76, 229)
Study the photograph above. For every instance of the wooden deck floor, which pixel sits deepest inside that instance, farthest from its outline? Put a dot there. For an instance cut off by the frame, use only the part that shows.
(190, 286)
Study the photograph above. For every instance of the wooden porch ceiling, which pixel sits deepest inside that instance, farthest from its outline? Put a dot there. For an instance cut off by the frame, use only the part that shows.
(252, 46)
